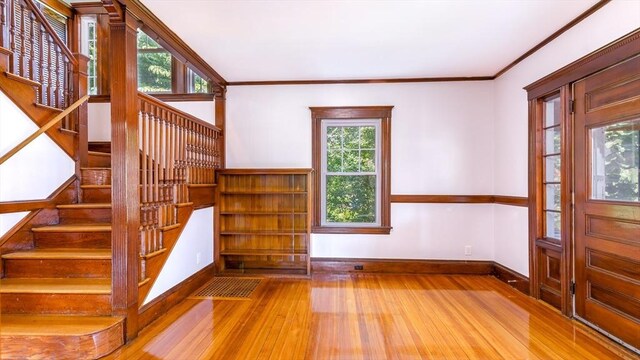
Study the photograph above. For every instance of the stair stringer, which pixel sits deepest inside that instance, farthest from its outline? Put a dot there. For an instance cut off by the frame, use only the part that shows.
(24, 96)
(20, 236)
(154, 264)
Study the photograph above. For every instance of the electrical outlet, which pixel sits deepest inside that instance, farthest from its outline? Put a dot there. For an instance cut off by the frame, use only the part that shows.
(198, 258)
(358, 267)
(467, 250)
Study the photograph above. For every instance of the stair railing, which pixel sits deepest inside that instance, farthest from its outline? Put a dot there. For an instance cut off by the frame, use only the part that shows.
(176, 150)
(38, 53)
(44, 128)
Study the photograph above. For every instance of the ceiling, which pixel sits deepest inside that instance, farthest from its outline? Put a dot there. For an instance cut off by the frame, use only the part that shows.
(262, 40)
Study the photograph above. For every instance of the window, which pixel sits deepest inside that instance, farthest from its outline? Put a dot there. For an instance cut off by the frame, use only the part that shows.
(551, 153)
(351, 157)
(89, 48)
(195, 83)
(154, 66)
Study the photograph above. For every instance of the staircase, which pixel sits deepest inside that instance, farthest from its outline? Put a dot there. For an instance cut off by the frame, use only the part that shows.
(55, 298)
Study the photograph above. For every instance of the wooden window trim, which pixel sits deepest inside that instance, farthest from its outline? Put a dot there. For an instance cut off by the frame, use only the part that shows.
(353, 112)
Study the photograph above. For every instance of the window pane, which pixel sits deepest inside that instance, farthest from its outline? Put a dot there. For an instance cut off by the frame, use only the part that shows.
(552, 193)
(351, 199)
(351, 160)
(552, 112)
(334, 137)
(145, 42)
(552, 168)
(154, 72)
(553, 227)
(351, 137)
(615, 161)
(368, 137)
(552, 140)
(368, 161)
(334, 160)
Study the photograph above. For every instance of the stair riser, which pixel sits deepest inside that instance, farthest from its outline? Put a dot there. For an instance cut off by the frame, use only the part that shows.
(96, 195)
(50, 240)
(76, 304)
(91, 346)
(99, 161)
(57, 268)
(96, 177)
(84, 216)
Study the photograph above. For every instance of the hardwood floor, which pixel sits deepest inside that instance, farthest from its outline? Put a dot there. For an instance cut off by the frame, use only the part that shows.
(370, 317)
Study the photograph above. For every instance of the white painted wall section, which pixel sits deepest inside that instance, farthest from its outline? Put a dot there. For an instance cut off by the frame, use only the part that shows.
(38, 169)
(99, 123)
(613, 21)
(195, 241)
(441, 143)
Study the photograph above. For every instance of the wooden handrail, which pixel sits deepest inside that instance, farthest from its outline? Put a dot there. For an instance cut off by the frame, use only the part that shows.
(168, 107)
(38, 14)
(43, 129)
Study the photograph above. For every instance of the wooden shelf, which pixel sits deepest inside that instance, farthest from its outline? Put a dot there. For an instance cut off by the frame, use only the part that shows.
(270, 192)
(279, 213)
(264, 252)
(263, 232)
(263, 214)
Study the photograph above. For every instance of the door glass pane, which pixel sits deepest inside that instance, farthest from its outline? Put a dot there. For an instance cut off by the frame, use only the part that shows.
(552, 112)
(552, 201)
(552, 168)
(552, 225)
(552, 140)
(615, 161)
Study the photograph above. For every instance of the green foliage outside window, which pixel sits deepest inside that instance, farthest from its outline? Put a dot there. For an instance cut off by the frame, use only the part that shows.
(154, 66)
(351, 179)
(622, 164)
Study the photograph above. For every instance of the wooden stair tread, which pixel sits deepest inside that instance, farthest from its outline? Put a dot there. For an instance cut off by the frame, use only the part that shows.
(71, 254)
(85, 206)
(97, 227)
(96, 167)
(98, 153)
(44, 325)
(23, 80)
(55, 286)
(85, 186)
(50, 108)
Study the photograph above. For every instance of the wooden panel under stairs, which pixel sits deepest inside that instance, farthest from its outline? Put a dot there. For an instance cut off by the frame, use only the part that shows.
(60, 263)
(99, 159)
(55, 296)
(84, 213)
(47, 337)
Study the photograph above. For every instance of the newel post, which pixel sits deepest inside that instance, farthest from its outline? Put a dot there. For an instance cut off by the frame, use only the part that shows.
(125, 169)
(221, 113)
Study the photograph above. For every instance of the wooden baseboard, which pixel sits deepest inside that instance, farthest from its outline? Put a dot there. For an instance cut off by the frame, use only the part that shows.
(400, 266)
(160, 305)
(511, 278)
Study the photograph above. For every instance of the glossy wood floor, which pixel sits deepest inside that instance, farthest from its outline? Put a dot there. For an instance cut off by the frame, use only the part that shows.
(370, 317)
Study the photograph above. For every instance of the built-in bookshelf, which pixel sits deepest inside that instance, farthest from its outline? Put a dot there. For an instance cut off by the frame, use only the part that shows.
(264, 221)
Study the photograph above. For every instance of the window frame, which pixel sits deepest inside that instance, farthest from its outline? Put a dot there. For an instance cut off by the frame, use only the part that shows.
(357, 114)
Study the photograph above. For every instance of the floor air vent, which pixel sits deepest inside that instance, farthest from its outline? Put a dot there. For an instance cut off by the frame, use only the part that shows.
(228, 288)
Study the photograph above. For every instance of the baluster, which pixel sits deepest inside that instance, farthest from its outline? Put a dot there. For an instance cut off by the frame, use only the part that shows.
(51, 71)
(12, 33)
(32, 53)
(3, 22)
(23, 42)
(43, 89)
(59, 74)
(144, 115)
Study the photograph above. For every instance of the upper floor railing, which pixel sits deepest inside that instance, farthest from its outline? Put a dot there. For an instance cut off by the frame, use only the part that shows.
(38, 52)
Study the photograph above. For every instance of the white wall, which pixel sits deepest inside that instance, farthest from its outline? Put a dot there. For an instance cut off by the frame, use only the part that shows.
(36, 171)
(613, 21)
(99, 122)
(195, 241)
(442, 143)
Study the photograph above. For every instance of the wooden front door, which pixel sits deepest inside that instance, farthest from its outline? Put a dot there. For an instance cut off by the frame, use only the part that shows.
(607, 200)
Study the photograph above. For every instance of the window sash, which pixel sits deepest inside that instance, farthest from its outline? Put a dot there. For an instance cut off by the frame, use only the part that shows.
(325, 124)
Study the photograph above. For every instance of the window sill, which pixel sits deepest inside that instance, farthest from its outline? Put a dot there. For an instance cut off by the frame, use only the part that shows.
(377, 230)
